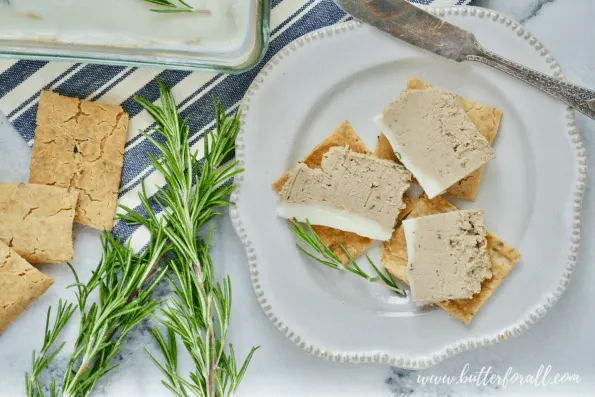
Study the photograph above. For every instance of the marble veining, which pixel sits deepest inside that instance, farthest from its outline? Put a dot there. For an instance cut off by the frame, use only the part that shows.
(520, 10)
(535, 9)
(402, 382)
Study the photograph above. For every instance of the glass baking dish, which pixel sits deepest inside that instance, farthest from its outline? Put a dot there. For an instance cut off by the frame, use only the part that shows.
(222, 35)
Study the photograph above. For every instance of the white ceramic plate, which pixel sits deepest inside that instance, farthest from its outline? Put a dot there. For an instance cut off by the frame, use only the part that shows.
(531, 192)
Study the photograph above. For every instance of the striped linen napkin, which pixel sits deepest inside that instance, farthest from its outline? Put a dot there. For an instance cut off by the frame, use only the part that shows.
(21, 82)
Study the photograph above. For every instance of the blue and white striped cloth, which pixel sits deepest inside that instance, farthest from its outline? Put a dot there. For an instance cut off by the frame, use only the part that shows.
(21, 82)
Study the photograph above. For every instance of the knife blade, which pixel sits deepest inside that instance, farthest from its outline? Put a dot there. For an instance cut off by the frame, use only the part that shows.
(412, 24)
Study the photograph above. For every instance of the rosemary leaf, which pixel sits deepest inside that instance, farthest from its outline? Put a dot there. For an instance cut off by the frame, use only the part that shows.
(313, 242)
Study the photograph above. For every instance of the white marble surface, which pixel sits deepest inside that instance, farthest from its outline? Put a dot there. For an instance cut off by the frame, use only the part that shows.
(563, 339)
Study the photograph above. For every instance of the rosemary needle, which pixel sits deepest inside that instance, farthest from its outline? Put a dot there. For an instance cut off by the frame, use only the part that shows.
(169, 6)
(327, 257)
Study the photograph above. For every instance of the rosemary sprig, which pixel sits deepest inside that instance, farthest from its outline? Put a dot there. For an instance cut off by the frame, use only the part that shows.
(200, 311)
(169, 6)
(39, 362)
(326, 257)
(202, 326)
(125, 284)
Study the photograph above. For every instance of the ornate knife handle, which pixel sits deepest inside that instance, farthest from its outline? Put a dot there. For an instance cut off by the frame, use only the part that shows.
(580, 98)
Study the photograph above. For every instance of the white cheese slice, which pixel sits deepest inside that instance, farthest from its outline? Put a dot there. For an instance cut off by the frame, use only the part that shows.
(434, 137)
(447, 256)
(336, 218)
(354, 192)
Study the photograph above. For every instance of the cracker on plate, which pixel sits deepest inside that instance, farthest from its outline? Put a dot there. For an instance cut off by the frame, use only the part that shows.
(20, 284)
(503, 258)
(486, 119)
(345, 136)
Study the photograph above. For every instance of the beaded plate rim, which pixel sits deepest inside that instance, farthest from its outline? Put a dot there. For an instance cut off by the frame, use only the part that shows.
(402, 361)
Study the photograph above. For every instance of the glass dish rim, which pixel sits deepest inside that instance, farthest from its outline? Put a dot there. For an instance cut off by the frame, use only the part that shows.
(262, 40)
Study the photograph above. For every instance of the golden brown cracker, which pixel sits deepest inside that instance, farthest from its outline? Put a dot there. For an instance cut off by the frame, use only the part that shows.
(503, 258)
(344, 135)
(36, 221)
(384, 150)
(80, 144)
(20, 284)
(334, 238)
(409, 204)
(486, 119)
(393, 255)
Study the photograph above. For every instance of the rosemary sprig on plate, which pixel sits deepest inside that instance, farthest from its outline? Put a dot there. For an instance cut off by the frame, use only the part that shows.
(200, 311)
(170, 6)
(308, 236)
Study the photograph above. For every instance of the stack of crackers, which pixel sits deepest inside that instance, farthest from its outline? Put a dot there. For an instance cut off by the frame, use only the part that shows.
(76, 164)
(394, 252)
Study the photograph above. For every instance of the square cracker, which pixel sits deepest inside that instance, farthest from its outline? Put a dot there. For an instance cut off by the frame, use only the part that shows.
(503, 257)
(486, 119)
(20, 284)
(345, 136)
(80, 144)
(36, 221)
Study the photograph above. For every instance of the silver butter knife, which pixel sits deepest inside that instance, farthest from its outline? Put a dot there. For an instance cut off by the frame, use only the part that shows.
(420, 28)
